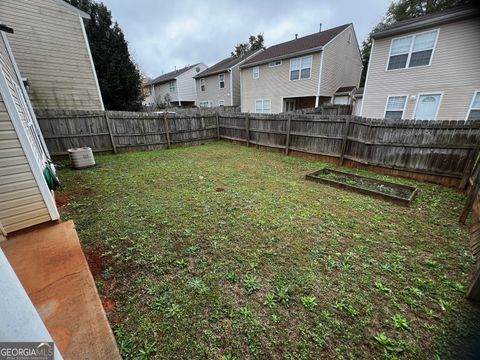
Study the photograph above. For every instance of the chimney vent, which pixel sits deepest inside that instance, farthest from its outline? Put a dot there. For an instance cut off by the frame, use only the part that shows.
(320, 28)
(296, 36)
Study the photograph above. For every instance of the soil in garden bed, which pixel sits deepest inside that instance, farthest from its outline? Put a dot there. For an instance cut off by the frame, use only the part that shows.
(366, 184)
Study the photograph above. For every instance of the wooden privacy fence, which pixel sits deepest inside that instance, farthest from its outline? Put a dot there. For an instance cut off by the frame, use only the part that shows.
(122, 131)
(437, 148)
(442, 149)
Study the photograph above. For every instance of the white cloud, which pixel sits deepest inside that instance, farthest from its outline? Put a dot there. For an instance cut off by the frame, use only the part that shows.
(164, 34)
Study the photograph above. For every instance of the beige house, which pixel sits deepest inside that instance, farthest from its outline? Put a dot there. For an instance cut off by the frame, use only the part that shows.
(51, 48)
(301, 73)
(25, 198)
(176, 88)
(219, 85)
(426, 68)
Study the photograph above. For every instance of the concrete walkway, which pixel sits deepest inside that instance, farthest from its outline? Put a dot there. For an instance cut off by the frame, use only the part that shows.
(52, 268)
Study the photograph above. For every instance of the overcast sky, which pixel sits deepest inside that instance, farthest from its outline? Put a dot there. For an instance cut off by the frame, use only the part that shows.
(164, 34)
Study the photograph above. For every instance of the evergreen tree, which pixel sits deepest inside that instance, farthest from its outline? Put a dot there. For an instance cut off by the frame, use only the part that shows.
(403, 10)
(254, 43)
(118, 75)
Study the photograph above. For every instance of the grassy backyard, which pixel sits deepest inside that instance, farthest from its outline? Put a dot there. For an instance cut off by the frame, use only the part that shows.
(226, 252)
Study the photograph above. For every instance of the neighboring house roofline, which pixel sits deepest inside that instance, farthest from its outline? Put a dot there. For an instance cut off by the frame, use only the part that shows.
(283, 57)
(230, 66)
(426, 21)
(73, 9)
(303, 45)
(172, 75)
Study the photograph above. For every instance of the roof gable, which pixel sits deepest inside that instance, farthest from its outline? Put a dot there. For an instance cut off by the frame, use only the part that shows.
(225, 64)
(426, 21)
(309, 42)
(170, 75)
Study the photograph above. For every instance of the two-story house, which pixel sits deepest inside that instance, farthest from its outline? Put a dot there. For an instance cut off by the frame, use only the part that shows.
(426, 68)
(219, 85)
(53, 54)
(176, 88)
(301, 73)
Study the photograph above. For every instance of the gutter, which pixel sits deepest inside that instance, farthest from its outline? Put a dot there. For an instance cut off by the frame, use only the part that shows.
(420, 24)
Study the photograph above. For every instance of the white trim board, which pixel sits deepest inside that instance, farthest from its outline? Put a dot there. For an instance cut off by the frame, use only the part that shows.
(82, 25)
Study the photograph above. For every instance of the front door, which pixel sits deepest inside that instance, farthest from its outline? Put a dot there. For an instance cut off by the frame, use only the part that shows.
(289, 105)
(427, 106)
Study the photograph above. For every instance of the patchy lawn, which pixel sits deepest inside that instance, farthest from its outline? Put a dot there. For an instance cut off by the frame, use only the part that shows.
(224, 252)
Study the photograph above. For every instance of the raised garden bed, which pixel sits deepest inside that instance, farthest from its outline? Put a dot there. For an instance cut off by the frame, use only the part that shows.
(401, 194)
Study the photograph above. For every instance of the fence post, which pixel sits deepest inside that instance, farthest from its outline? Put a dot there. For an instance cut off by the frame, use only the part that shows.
(287, 140)
(112, 138)
(218, 125)
(468, 167)
(247, 127)
(167, 131)
(345, 139)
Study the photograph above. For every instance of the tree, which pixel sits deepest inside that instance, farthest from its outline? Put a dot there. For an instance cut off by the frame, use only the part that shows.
(118, 75)
(254, 43)
(403, 10)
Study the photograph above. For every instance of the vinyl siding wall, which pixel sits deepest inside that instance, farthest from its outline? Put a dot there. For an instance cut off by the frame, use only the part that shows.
(50, 50)
(455, 70)
(22, 204)
(212, 90)
(342, 64)
(186, 83)
(237, 98)
(274, 84)
(163, 89)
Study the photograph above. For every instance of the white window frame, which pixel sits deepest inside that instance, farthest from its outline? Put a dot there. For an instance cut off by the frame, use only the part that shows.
(221, 102)
(428, 93)
(172, 87)
(205, 103)
(300, 70)
(275, 63)
(470, 108)
(407, 64)
(202, 84)
(404, 106)
(221, 81)
(263, 106)
(256, 72)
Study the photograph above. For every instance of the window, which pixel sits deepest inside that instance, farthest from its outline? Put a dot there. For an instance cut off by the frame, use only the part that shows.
(275, 63)
(202, 84)
(256, 72)
(474, 113)
(205, 104)
(221, 80)
(411, 51)
(300, 68)
(263, 106)
(427, 106)
(395, 107)
(172, 86)
(221, 103)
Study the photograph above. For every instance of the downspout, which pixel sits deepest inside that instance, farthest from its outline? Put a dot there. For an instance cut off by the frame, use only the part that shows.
(317, 99)
(231, 86)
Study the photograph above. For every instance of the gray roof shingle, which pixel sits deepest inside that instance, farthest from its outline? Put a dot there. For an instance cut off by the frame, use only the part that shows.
(170, 75)
(224, 64)
(305, 43)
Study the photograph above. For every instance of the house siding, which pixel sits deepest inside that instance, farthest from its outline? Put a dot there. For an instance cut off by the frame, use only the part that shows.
(342, 64)
(212, 90)
(454, 70)
(275, 84)
(50, 50)
(22, 204)
(186, 86)
(163, 89)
